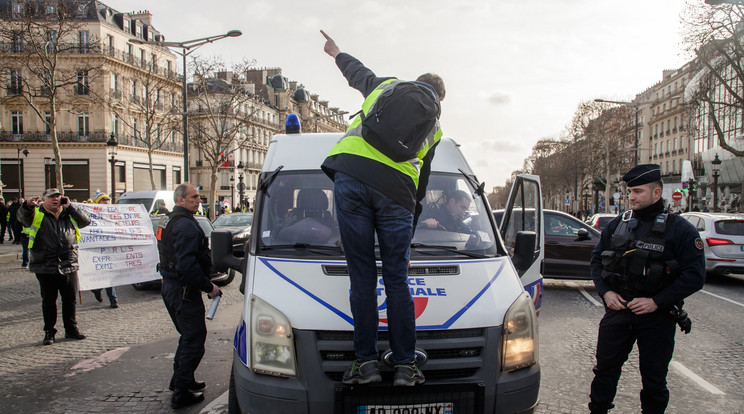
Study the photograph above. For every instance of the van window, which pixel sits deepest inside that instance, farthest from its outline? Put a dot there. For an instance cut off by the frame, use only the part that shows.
(298, 217)
(147, 202)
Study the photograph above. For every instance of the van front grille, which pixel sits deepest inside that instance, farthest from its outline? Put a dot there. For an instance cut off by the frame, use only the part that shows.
(443, 270)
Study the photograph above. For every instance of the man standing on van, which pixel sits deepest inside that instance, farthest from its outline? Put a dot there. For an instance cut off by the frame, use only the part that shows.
(645, 263)
(375, 194)
(185, 266)
(53, 237)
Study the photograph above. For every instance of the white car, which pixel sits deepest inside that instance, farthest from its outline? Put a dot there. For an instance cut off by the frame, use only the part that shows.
(723, 237)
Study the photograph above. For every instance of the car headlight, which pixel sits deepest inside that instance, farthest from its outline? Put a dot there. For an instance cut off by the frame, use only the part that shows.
(242, 235)
(272, 344)
(520, 335)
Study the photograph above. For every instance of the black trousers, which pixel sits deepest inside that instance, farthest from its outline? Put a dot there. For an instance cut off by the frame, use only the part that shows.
(187, 313)
(3, 226)
(618, 331)
(17, 231)
(67, 286)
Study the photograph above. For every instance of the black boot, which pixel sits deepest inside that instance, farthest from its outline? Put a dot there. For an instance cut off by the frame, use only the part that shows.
(48, 338)
(184, 398)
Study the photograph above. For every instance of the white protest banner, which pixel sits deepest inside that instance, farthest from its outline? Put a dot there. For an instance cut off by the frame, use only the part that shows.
(118, 247)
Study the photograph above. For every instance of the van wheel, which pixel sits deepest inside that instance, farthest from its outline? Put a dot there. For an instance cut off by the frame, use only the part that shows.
(232, 397)
(139, 286)
(230, 278)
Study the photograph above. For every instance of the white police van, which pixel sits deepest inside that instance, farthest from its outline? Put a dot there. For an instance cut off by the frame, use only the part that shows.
(476, 324)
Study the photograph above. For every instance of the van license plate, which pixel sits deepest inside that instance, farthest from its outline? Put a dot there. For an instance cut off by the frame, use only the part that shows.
(433, 408)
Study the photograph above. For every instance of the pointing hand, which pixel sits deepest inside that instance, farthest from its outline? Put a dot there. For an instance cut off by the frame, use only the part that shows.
(330, 46)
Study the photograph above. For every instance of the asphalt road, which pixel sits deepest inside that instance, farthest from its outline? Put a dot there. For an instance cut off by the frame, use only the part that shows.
(125, 363)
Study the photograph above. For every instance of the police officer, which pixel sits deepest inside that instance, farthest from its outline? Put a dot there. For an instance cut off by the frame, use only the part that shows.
(185, 266)
(645, 263)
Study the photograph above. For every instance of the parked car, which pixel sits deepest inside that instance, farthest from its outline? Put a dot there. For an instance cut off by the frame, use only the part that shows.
(723, 236)
(600, 220)
(239, 224)
(218, 278)
(568, 245)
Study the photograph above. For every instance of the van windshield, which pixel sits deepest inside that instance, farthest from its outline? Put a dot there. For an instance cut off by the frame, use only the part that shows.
(298, 218)
(147, 202)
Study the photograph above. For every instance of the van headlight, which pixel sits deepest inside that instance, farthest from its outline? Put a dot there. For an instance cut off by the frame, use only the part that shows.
(272, 344)
(520, 335)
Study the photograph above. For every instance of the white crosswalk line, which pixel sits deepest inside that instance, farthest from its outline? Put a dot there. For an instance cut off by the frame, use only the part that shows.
(696, 379)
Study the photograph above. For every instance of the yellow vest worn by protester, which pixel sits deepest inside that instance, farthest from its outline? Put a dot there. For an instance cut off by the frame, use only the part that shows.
(36, 225)
(406, 172)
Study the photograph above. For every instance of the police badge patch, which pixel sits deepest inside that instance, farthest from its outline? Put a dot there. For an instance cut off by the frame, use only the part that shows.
(699, 243)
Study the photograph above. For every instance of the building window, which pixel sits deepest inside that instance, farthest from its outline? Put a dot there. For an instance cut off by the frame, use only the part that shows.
(84, 37)
(17, 43)
(16, 122)
(52, 37)
(135, 130)
(115, 82)
(110, 45)
(674, 166)
(134, 90)
(83, 128)
(126, 26)
(82, 87)
(16, 82)
(115, 124)
(143, 62)
(48, 122)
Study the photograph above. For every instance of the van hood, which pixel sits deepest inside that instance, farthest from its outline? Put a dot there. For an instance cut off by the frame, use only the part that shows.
(314, 295)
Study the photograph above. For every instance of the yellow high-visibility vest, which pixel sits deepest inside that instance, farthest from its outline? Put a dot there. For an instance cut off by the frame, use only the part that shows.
(36, 225)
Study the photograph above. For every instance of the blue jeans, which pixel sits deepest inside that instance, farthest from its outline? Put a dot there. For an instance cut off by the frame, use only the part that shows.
(363, 211)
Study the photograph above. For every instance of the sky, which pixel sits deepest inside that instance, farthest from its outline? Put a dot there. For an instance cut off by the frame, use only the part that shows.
(515, 71)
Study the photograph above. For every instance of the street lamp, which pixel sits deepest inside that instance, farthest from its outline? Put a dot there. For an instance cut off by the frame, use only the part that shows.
(232, 192)
(241, 186)
(25, 153)
(112, 148)
(187, 47)
(716, 168)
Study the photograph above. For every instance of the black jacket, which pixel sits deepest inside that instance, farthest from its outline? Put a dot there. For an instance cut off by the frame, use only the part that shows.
(378, 176)
(13, 208)
(186, 241)
(3, 213)
(55, 247)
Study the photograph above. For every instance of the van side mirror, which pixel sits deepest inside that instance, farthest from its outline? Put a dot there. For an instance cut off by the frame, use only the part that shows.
(222, 254)
(524, 251)
(583, 234)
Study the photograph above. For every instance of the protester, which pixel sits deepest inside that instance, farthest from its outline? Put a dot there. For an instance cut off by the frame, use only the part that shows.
(53, 240)
(103, 198)
(374, 194)
(13, 226)
(160, 208)
(185, 265)
(645, 263)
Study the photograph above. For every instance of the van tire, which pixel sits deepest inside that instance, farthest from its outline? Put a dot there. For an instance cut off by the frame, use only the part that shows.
(233, 407)
(230, 278)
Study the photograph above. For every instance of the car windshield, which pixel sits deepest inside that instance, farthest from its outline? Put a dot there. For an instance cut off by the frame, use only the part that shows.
(298, 217)
(147, 202)
(233, 220)
(730, 227)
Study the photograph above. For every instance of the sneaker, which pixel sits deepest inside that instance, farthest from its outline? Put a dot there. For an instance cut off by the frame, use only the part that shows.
(407, 375)
(74, 335)
(48, 338)
(24, 266)
(362, 372)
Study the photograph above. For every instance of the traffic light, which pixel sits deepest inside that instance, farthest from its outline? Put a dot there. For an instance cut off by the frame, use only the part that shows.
(691, 185)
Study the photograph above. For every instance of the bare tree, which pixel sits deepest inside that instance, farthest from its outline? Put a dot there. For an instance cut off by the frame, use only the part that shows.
(221, 112)
(153, 111)
(49, 63)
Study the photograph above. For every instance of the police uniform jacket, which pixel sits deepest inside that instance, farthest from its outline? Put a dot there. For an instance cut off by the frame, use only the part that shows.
(187, 240)
(55, 247)
(681, 243)
(368, 171)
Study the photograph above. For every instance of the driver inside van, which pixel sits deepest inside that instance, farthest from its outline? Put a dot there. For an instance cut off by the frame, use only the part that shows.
(450, 215)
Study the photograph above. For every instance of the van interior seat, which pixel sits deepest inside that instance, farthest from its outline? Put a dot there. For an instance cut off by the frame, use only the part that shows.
(312, 203)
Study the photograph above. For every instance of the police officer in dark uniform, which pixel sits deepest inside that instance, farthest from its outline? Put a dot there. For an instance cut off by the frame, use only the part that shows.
(185, 266)
(645, 264)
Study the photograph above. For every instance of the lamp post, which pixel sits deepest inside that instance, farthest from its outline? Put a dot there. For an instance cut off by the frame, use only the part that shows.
(187, 47)
(716, 169)
(232, 193)
(241, 186)
(112, 148)
(25, 153)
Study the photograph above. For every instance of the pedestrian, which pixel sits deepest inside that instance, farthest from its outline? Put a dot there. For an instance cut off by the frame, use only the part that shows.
(103, 198)
(54, 234)
(185, 265)
(374, 194)
(13, 227)
(645, 264)
(3, 219)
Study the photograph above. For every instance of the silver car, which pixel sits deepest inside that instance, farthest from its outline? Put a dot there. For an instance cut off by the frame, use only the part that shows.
(723, 240)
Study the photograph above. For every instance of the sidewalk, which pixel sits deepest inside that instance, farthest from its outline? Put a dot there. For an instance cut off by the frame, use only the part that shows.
(9, 252)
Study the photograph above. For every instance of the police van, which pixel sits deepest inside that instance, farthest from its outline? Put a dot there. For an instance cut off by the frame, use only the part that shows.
(476, 322)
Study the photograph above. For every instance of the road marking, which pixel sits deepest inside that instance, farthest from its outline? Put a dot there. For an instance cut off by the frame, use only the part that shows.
(696, 379)
(217, 406)
(588, 297)
(722, 298)
(97, 362)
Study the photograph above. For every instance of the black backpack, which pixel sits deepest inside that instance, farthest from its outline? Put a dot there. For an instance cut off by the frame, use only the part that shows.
(401, 119)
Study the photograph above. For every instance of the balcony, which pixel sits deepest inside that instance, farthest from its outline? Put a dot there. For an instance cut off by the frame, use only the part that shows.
(14, 90)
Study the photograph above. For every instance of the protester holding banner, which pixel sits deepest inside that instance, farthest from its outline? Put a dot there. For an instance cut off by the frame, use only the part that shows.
(54, 234)
(103, 198)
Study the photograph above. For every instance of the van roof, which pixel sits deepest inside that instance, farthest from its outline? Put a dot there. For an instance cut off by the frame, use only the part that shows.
(307, 152)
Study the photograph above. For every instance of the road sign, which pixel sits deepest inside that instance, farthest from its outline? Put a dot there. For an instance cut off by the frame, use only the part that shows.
(676, 196)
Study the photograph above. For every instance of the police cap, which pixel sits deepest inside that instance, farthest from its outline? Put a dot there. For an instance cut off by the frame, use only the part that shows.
(642, 174)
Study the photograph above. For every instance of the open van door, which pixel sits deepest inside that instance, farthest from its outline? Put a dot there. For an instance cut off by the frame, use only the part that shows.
(523, 222)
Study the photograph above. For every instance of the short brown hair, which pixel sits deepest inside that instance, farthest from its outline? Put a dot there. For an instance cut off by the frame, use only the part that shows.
(435, 81)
